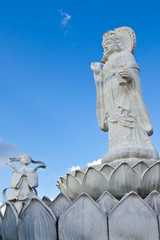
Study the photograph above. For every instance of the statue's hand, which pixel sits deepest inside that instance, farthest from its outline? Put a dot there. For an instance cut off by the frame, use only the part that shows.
(96, 67)
(125, 73)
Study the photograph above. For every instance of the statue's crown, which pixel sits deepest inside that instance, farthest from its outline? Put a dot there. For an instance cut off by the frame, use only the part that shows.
(109, 34)
(126, 36)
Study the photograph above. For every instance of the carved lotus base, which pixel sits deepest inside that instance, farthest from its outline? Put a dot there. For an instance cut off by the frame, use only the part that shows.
(118, 178)
(104, 219)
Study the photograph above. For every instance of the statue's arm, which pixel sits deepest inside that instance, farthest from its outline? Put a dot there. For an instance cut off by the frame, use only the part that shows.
(43, 165)
(9, 163)
(101, 114)
(98, 76)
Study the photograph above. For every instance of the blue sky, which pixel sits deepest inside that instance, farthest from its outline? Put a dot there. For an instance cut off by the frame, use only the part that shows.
(48, 95)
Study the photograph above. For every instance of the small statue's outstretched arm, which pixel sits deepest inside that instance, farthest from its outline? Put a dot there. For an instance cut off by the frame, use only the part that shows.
(9, 163)
(42, 165)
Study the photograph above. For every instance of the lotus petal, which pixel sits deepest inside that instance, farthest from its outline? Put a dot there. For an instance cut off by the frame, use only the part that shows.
(159, 221)
(94, 183)
(151, 180)
(133, 219)
(46, 200)
(107, 170)
(122, 180)
(97, 167)
(63, 180)
(62, 187)
(10, 222)
(83, 219)
(116, 177)
(37, 222)
(72, 173)
(1, 218)
(79, 175)
(59, 204)
(153, 200)
(107, 202)
(140, 168)
(73, 187)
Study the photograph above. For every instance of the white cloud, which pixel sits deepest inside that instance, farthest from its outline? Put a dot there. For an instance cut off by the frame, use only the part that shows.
(73, 168)
(7, 150)
(65, 18)
(94, 163)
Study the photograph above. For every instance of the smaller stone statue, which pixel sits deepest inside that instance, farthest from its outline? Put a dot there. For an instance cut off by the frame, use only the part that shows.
(24, 180)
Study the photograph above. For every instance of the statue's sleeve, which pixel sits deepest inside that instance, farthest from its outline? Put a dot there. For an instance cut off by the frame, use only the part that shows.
(142, 114)
(32, 179)
(129, 61)
(16, 178)
(101, 112)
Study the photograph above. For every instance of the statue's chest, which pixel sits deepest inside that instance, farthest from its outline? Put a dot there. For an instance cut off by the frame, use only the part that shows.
(111, 68)
(111, 84)
(113, 91)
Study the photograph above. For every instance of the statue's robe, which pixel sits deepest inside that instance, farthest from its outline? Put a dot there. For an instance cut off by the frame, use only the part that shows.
(23, 181)
(122, 112)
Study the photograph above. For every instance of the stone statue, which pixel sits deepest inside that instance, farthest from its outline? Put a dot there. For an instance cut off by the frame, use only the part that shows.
(120, 106)
(24, 180)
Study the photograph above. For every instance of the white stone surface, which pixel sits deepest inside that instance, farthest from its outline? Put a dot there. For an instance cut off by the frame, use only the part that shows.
(46, 200)
(79, 175)
(73, 186)
(37, 222)
(83, 219)
(1, 217)
(120, 106)
(153, 200)
(10, 222)
(107, 170)
(133, 219)
(123, 180)
(151, 179)
(117, 177)
(94, 183)
(140, 168)
(59, 204)
(107, 202)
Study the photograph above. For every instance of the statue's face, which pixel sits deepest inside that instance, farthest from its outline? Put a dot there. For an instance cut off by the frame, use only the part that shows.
(109, 46)
(25, 159)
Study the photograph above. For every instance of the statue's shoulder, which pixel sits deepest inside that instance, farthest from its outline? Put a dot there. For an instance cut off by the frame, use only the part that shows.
(127, 55)
(127, 59)
(29, 169)
(15, 179)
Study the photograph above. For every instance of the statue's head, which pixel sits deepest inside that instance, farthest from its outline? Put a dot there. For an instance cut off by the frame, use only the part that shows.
(111, 43)
(25, 159)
